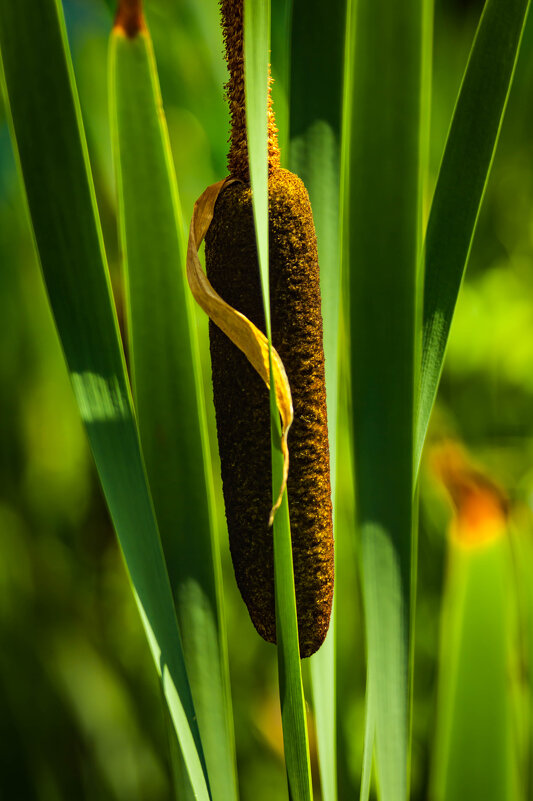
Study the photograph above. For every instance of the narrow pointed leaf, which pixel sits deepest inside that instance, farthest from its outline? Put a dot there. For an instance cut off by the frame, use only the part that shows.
(384, 239)
(475, 692)
(317, 60)
(368, 748)
(166, 384)
(282, 11)
(461, 183)
(477, 743)
(54, 165)
(256, 49)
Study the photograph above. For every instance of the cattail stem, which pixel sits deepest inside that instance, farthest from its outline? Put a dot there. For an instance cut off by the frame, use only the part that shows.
(233, 31)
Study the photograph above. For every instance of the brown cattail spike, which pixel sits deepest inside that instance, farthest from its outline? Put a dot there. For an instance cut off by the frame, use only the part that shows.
(232, 27)
(242, 405)
(240, 396)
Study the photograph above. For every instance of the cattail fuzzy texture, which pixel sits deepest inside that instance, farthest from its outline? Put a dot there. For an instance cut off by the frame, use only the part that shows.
(241, 398)
(232, 29)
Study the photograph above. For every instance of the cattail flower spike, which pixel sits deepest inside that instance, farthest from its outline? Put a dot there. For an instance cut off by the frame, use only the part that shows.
(239, 359)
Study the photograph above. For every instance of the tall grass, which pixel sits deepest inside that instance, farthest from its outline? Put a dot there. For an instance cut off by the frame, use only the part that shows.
(355, 78)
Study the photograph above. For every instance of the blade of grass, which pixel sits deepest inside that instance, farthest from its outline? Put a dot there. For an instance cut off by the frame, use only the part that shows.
(461, 184)
(256, 52)
(293, 714)
(315, 123)
(166, 383)
(317, 45)
(384, 231)
(42, 98)
(281, 66)
(475, 698)
(521, 546)
(295, 738)
(343, 533)
(368, 748)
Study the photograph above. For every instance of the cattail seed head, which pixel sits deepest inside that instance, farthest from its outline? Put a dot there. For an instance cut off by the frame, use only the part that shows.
(243, 410)
(241, 398)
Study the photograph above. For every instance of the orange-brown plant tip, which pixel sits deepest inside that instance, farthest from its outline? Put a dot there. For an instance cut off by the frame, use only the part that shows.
(130, 18)
(481, 506)
(242, 404)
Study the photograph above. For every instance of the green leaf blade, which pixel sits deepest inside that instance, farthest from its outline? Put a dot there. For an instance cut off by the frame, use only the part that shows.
(60, 195)
(463, 176)
(256, 50)
(165, 366)
(384, 240)
(317, 49)
(476, 752)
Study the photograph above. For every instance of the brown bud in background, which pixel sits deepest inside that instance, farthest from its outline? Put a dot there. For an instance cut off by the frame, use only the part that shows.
(130, 18)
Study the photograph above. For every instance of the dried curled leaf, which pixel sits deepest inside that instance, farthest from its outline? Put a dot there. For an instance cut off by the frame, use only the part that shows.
(242, 332)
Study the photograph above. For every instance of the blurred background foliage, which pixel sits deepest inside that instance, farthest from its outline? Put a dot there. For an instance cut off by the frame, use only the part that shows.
(80, 712)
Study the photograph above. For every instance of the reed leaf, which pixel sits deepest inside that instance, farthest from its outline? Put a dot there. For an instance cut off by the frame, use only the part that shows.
(165, 370)
(282, 15)
(368, 750)
(476, 751)
(317, 50)
(384, 240)
(295, 738)
(42, 97)
(461, 183)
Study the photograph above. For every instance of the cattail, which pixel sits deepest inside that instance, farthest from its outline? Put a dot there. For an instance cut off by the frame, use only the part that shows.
(240, 395)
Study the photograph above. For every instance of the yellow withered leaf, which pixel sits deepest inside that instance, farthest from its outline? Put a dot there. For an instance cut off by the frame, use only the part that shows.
(242, 332)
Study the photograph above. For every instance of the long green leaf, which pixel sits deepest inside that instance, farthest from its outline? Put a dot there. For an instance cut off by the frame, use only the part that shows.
(317, 48)
(52, 152)
(368, 749)
(521, 545)
(384, 236)
(256, 48)
(282, 11)
(476, 751)
(166, 384)
(461, 183)
(318, 33)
